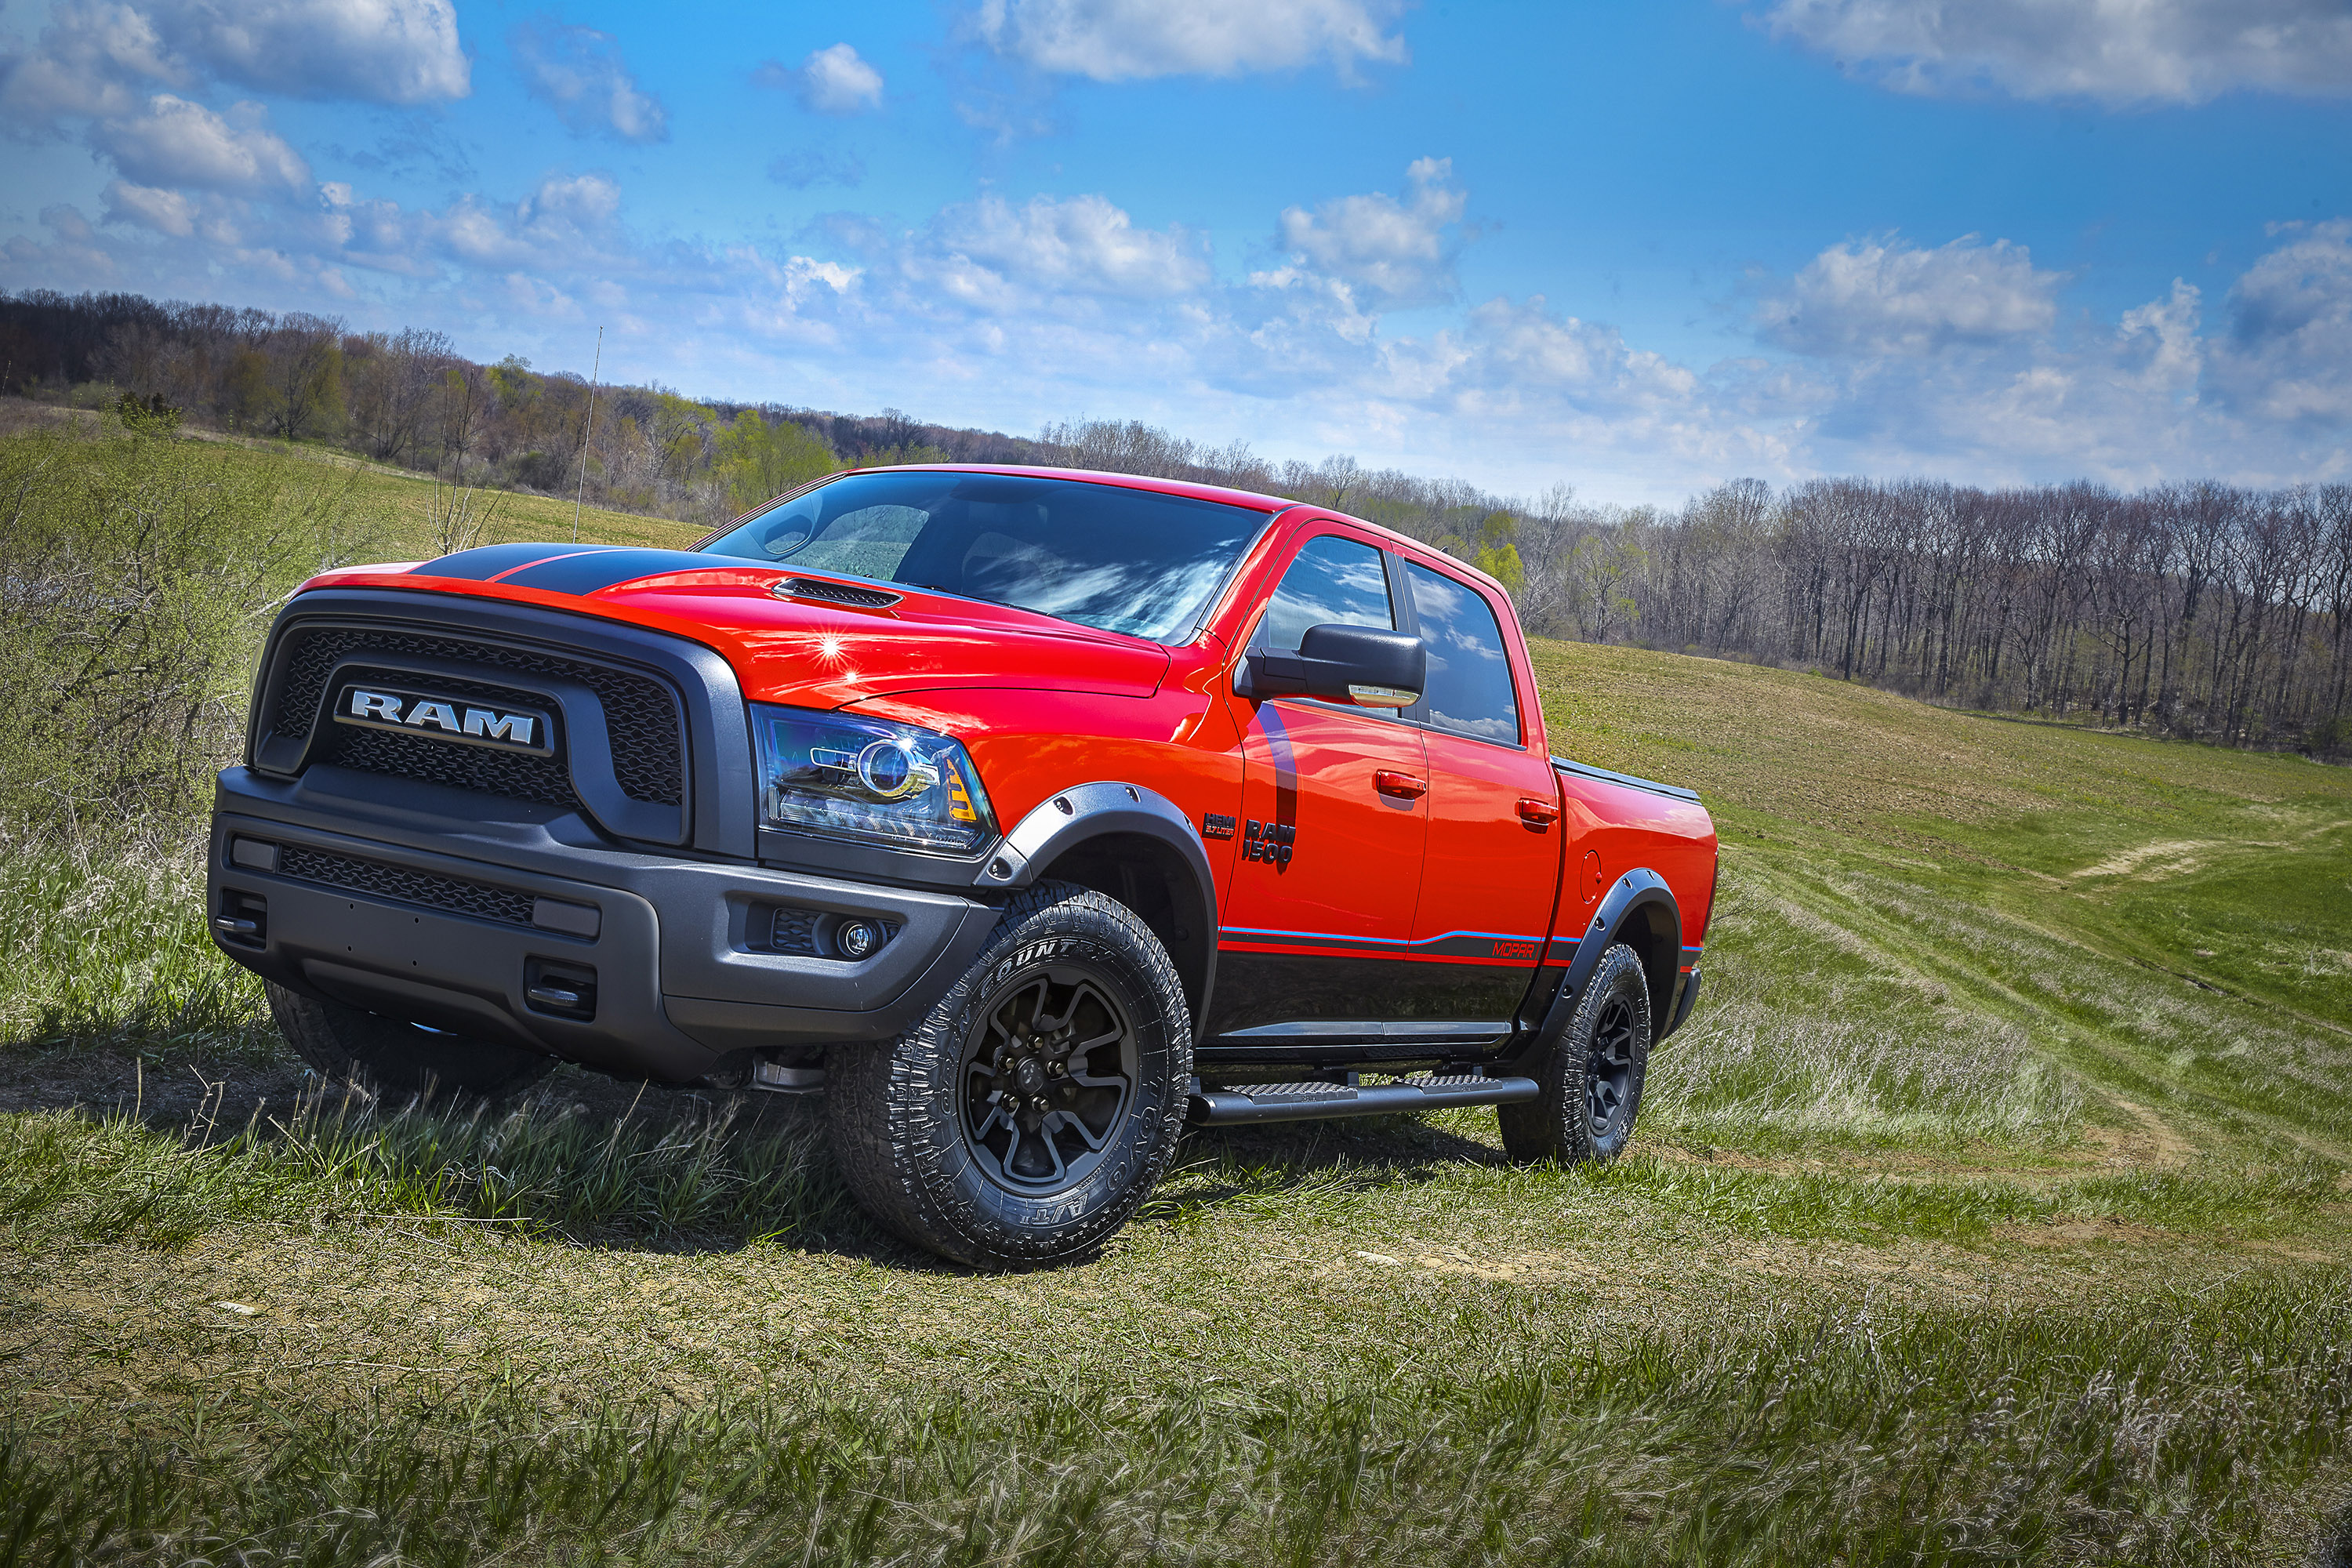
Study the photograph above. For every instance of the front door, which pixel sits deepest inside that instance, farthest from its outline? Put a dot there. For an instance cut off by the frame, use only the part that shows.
(1334, 816)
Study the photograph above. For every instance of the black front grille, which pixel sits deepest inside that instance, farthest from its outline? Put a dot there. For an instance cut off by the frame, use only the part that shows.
(381, 880)
(649, 751)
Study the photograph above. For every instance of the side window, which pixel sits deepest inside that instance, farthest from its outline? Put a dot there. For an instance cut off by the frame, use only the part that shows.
(1334, 581)
(1469, 674)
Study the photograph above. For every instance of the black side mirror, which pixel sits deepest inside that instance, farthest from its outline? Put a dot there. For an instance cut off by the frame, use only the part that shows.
(1362, 664)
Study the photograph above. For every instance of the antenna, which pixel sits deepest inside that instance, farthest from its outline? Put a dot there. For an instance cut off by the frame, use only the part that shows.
(586, 430)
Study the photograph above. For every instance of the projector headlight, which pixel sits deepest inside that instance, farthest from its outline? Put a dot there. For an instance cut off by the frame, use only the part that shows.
(869, 778)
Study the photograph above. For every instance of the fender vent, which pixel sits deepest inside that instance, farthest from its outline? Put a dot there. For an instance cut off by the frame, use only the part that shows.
(835, 593)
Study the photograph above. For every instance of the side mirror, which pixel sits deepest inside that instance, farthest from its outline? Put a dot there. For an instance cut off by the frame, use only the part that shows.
(1361, 665)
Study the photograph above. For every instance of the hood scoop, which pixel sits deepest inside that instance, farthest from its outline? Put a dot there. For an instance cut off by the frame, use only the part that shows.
(832, 593)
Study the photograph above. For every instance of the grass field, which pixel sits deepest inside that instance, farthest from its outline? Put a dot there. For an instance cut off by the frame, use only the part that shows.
(1995, 1206)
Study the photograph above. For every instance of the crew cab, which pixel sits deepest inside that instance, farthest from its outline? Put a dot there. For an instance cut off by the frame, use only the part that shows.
(1022, 814)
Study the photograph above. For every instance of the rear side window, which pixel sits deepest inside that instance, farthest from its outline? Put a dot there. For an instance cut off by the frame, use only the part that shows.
(1469, 675)
(1334, 581)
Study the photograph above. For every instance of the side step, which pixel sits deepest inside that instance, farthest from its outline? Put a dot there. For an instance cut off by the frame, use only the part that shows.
(1316, 1101)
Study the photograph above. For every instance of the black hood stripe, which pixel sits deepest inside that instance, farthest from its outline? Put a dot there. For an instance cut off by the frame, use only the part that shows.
(482, 565)
(589, 571)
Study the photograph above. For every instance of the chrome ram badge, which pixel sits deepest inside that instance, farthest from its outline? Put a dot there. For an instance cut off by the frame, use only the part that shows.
(445, 718)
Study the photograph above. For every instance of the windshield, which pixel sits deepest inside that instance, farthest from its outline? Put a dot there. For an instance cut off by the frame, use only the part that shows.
(1102, 555)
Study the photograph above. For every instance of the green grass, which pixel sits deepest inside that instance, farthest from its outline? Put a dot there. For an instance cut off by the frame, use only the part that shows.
(2183, 1428)
(1978, 1215)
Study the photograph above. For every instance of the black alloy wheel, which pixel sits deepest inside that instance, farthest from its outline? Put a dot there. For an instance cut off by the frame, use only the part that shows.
(1608, 1067)
(1026, 1117)
(1048, 1079)
(1591, 1076)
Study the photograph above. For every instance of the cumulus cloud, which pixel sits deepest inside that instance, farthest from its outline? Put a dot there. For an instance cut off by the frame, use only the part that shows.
(832, 80)
(91, 58)
(570, 222)
(176, 143)
(1396, 251)
(1120, 40)
(167, 212)
(1878, 298)
(382, 51)
(579, 73)
(102, 57)
(2113, 51)
(2288, 352)
(985, 252)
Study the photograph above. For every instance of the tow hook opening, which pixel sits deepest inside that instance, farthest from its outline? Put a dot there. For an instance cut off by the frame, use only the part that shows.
(560, 990)
(242, 917)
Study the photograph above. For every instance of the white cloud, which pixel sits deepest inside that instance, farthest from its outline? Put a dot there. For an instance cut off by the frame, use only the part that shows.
(2113, 51)
(2288, 353)
(1881, 298)
(167, 212)
(579, 72)
(832, 80)
(102, 57)
(176, 143)
(382, 51)
(1119, 40)
(1399, 251)
(568, 224)
(984, 252)
(91, 60)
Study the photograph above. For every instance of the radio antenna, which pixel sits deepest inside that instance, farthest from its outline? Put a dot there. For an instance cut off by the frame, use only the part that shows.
(586, 430)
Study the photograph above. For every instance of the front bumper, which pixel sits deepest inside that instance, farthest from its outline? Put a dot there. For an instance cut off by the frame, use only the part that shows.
(403, 899)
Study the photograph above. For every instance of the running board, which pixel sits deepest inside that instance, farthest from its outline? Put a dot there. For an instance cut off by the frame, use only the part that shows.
(1315, 1100)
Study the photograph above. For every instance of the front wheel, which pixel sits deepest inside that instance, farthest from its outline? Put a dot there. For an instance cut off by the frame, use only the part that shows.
(1025, 1119)
(1593, 1076)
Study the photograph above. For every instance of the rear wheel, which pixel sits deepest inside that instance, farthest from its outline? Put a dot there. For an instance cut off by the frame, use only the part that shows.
(1592, 1077)
(1025, 1119)
(394, 1057)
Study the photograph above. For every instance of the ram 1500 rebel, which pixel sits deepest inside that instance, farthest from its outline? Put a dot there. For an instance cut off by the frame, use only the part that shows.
(1023, 814)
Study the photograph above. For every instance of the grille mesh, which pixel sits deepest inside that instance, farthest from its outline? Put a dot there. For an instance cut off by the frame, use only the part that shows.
(796, 933)
(379, 880)
(649, 751)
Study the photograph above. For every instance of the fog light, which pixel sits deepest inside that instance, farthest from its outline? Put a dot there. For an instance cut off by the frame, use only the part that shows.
(859, 938)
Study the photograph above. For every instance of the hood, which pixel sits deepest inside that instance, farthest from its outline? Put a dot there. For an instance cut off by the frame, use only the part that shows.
(792, 648)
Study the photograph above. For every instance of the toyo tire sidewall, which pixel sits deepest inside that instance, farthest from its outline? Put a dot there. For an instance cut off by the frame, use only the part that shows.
(896, 1110)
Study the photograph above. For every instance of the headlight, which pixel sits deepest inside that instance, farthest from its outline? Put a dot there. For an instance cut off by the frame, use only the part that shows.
(869, 778)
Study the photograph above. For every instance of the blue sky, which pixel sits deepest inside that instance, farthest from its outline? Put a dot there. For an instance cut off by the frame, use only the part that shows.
(1635, 248)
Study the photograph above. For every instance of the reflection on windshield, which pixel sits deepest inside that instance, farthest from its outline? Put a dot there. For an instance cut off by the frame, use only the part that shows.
(1102, 555)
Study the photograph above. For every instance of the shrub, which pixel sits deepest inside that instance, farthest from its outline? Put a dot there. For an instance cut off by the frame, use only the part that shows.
(141, 573)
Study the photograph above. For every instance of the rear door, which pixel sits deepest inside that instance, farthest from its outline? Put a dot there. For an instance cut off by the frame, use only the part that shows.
(1333, 822)
(1492, 864)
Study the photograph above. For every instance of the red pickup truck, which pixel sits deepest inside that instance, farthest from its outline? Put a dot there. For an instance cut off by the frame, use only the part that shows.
(1023, 814)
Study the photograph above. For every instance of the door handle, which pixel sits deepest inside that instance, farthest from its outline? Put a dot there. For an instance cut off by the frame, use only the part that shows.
(1402, 786)
(1537, 813)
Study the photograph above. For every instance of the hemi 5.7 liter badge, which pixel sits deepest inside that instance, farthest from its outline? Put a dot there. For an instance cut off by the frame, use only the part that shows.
(445, 719)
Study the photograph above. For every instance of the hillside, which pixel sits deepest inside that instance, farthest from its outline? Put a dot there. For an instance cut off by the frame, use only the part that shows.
(2014, 1128)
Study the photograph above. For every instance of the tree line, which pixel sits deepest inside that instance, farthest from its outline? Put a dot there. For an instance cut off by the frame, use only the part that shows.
(2198, 610)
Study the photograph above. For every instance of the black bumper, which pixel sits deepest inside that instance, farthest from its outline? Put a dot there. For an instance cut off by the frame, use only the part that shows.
(405, 899)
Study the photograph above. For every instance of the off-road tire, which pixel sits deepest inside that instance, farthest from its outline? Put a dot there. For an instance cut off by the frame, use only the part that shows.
(1601, 1057)
(397, 1059)
(903, 1118)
